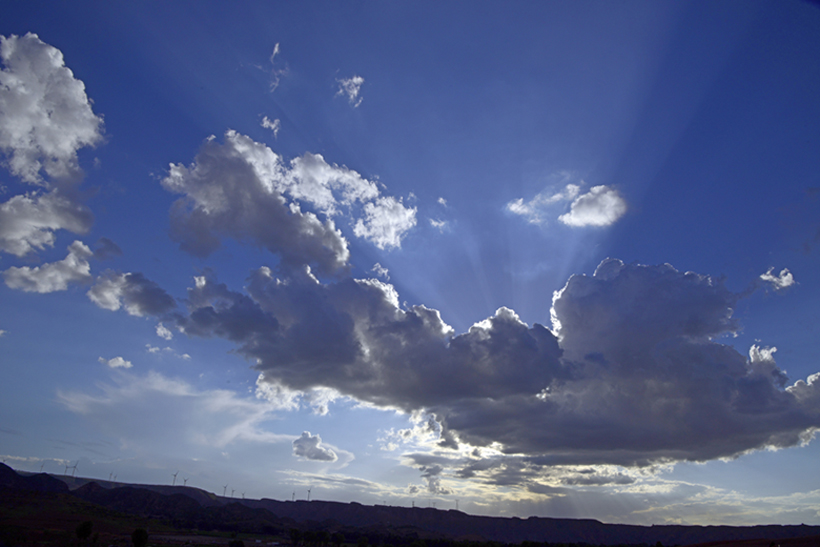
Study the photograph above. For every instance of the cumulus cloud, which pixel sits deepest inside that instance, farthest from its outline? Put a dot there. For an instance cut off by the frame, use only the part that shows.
(632, 372)
(778, 282)
(243, 190)
(45, 118)
(601, 206)
(163, 332)
(310, 447)
(350, 88)
(138, 295)
(28, 221)
(272, 125)
(386, 221)
(46, 115)
(55, 276)
(116, 362)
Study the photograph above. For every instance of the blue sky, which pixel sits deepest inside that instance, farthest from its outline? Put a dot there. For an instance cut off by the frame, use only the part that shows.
(552, 259)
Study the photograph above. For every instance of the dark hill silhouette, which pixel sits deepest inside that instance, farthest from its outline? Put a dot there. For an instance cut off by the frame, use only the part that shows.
(40, 482)
(192, 508)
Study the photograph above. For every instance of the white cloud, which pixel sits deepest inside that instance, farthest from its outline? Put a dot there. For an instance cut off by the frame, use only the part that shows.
(28, 222)
(381, 271)
(54, 276)
(386, 221)
(275, 72)
(779, 282)
(163, 332)
(154, 350)
(2, 333)
(157, 414)
(536, 210)
(601, 206)
(116, 362)
(244, 190)
(272, 125)
(441, 225)
(350, 88)
(45, 115)
(139, 296)
(309, 447)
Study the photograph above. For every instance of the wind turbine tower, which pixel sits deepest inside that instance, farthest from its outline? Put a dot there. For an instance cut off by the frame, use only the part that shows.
(41, 467)
(232, 491)
(293, 498)
(175, 479)
(184, 481)
(74, 469)
(224, 489)
(309, 489)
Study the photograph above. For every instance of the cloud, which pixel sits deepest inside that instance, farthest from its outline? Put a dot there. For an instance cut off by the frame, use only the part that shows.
(350, 88)
(46, 115)
(381, 271)
(116, 362)
(163, 332)
(536, 210)
(386, 222)
(154, 350)
(601, 206)
(106, 249)
(309, 447)
(276, 73)
(54, 276)
(272, 125)
(138, 295)
(631, 373)
(154, 412)
(28, 221)
(778, 282)
(243, 190)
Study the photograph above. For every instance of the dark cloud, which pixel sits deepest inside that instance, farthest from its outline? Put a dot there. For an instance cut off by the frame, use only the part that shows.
(138, 295)
(243, 190)
(106, 249)
(632, 374)
(310, 447)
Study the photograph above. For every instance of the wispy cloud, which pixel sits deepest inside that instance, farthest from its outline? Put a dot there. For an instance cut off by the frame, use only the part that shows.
(351, 88)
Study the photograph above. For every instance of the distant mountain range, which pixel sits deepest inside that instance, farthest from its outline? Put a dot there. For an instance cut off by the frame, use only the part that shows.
(192, 508)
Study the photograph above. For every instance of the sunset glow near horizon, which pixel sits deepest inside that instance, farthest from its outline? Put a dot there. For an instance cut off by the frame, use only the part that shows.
(552, 259)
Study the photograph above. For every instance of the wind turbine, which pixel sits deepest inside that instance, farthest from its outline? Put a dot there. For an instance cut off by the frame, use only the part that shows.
(232, 491)
(110, 475)
(175, 479)
(309, 489)
(224, 489)
(66, 469)
(115, 478)
(294, 496)
(74, 469)
(184, 481)
(41, 467)
(243, 495)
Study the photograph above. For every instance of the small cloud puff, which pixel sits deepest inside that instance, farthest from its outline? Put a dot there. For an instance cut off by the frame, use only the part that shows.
(601, 206)
(381, 271)
(309, 447)
(163, 332)
(779, 282)
(116, 362)
(350, 88)
(272, 125)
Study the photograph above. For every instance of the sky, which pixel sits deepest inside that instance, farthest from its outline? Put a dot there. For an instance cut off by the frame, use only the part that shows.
(552, 259)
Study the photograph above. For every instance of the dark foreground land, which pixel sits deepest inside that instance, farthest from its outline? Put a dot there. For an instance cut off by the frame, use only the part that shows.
(40, 510)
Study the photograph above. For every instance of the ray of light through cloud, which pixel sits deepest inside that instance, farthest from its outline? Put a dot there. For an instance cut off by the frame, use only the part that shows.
(527, 278)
